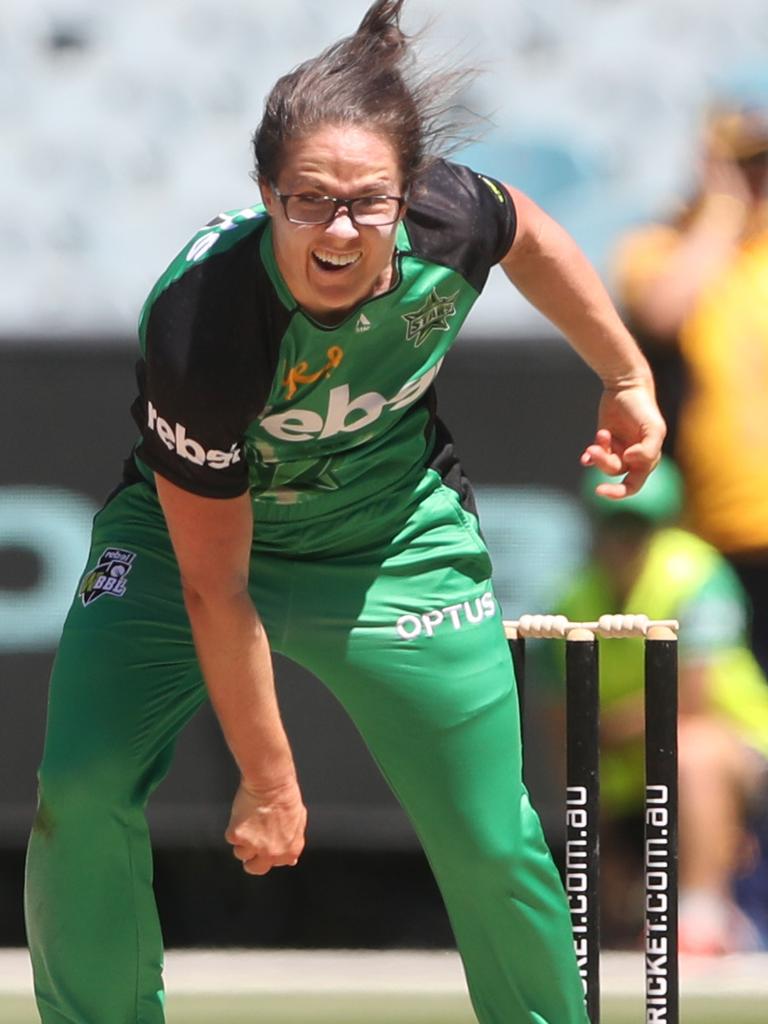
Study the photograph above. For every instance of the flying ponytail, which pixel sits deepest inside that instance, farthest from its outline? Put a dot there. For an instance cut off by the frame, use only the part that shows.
(371, 80)
(381, 24)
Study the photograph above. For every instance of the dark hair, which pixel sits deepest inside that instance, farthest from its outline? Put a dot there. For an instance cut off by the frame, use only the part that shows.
(369, 80)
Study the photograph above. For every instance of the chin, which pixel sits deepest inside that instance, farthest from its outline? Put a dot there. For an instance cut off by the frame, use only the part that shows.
(337, 297)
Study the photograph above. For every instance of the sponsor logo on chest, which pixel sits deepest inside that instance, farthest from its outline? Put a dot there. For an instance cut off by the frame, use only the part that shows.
(344, 414)
(301, 374)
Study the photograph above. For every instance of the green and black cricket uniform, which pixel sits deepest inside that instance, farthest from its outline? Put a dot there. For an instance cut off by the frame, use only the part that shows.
(368, 569)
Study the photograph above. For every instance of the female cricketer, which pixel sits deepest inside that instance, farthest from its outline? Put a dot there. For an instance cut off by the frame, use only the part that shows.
(293, 490)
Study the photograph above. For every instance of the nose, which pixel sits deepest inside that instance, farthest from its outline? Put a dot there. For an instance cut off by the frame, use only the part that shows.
(341, 226)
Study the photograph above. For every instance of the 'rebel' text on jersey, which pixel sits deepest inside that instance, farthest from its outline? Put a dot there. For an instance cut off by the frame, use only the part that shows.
(175, 439)
(240, 389)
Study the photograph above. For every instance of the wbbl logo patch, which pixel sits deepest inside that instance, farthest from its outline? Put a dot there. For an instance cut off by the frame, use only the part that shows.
(108, 577)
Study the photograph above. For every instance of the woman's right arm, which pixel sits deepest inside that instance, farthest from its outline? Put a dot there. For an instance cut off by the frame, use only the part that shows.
(212, 541)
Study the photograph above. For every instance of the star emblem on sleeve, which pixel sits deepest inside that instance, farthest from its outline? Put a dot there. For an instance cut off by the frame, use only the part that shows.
(432, 316)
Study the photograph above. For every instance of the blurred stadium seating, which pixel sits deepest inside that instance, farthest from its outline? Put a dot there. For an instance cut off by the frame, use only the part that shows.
(127, 126)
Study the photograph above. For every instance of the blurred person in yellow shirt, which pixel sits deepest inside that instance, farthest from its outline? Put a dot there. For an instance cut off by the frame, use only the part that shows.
(695, 290)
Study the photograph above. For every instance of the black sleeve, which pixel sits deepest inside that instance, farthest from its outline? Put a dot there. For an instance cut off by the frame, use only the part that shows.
(461, 219)
(209, 360)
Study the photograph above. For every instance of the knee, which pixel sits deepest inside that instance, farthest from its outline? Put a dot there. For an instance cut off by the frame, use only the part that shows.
(77, 792)
(480, 881)
(482, 864)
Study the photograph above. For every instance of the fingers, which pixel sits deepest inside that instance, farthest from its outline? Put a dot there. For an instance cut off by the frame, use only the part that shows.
(261, 865)
(630, 484)
(259, 862)
(611, 457)
(646, 451)
(605, 453)
(639, 464)
(628, 441)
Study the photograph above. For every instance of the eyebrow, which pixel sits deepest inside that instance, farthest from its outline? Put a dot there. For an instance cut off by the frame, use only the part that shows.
(378, 187)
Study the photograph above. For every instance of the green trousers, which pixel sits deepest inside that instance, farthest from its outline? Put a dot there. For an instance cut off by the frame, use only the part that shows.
(390, 605)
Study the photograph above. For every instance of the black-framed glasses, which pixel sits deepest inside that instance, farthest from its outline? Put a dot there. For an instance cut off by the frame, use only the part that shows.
(368, 211)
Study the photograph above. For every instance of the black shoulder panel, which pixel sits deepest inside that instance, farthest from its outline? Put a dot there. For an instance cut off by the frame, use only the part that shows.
(212, 344)
(461, 219)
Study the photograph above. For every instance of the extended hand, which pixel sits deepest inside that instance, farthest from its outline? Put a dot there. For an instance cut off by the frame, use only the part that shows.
(628, 440)
(266, 828)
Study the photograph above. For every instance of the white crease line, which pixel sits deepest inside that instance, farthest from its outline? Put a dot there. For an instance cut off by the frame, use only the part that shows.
(406, 972)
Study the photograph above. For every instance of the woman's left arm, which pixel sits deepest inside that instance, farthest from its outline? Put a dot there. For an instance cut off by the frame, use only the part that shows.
(553, 274)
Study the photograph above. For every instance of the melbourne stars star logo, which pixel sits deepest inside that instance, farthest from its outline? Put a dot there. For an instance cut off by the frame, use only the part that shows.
(433, 316)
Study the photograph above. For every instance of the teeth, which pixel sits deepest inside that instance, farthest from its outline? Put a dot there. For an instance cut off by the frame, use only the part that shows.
(339, 259)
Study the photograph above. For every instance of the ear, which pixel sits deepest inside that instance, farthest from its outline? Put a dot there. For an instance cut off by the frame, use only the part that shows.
(407, 190)
(268, 197)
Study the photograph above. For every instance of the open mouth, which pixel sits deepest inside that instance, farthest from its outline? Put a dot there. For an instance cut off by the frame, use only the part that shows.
(336, 262)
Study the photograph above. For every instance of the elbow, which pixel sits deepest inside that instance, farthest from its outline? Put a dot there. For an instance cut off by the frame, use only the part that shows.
(202, 593)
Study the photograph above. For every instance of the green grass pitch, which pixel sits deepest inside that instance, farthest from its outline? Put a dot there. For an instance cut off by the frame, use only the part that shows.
(389, 1009)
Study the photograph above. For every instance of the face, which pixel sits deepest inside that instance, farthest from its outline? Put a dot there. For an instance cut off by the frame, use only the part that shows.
(330, 268)
(621, 548)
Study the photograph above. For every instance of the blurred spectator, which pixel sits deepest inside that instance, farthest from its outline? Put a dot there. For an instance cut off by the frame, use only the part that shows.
(642, 563)
(695, 290)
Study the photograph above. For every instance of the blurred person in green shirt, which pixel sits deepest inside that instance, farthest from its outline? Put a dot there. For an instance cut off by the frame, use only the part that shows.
(642, 562)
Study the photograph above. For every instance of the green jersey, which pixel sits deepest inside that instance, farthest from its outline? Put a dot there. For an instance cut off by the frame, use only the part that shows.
(241, 389)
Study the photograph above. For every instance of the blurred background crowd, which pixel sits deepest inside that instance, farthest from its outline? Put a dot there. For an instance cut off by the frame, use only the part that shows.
(642, 125)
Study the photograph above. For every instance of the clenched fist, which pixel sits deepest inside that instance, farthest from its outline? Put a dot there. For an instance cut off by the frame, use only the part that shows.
(266, 827)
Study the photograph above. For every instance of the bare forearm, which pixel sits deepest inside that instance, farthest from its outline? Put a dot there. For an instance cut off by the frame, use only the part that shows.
(212, 540)
(551, 272)
(234, 654)
(548, 268)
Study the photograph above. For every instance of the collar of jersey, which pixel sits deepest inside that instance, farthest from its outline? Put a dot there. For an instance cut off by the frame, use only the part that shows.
(402, 244)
